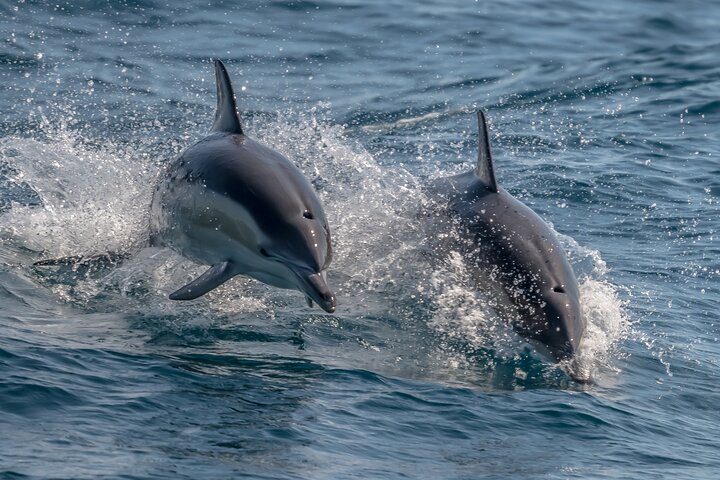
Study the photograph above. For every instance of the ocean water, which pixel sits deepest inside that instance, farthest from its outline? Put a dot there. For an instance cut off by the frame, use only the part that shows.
(603, 120)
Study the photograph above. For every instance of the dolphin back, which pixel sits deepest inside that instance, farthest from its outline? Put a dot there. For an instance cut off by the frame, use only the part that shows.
(227, 119)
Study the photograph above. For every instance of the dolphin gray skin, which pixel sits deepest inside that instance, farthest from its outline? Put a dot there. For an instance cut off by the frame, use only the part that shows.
(510, 248)
(244, 209)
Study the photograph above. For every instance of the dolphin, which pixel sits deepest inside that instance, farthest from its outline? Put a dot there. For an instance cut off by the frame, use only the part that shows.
(509, 248)
(242, 208)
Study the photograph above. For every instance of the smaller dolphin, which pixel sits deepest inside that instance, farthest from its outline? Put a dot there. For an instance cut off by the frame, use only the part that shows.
(244, 209)
(509, 248)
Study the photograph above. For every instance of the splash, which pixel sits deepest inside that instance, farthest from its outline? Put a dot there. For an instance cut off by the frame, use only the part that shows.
(607, 325)
(465, 312)
(94, 198)
(372, 210)
(466, 316)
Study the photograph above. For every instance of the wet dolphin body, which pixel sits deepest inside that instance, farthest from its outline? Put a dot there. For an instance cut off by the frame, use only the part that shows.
(511, 249)
(244, 209)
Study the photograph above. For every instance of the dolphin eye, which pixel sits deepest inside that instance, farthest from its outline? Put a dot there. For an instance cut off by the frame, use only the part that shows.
(559, 289)
(264, 252)
(308, 215)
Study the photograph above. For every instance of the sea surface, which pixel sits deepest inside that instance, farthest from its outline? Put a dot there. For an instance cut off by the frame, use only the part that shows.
(604, 119)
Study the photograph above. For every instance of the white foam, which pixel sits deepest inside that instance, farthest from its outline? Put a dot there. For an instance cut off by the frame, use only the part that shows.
(465, 312)
(93, 200)
(607, 325)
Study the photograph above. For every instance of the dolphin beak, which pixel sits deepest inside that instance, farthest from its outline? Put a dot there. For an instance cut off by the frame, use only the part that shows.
(323, 296)
(314, 286)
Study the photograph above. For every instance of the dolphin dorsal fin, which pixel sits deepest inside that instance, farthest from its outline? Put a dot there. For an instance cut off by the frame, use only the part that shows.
(484, 169)
(226, 115)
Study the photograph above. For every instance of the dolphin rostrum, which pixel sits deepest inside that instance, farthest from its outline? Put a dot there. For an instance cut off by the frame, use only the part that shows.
(244, 209)
(509, 248)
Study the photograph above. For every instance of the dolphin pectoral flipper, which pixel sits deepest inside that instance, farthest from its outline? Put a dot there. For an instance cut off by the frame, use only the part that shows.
(212, 278)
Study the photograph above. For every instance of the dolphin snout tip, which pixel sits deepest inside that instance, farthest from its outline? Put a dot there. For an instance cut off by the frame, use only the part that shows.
(330, 306)
(317, 289)
(327, 301)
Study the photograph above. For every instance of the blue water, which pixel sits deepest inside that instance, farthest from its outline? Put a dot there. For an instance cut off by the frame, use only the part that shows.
(604, 120)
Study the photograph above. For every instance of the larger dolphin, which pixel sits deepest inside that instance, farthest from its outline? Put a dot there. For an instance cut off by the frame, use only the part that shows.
(509, 247)
(244, 209)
